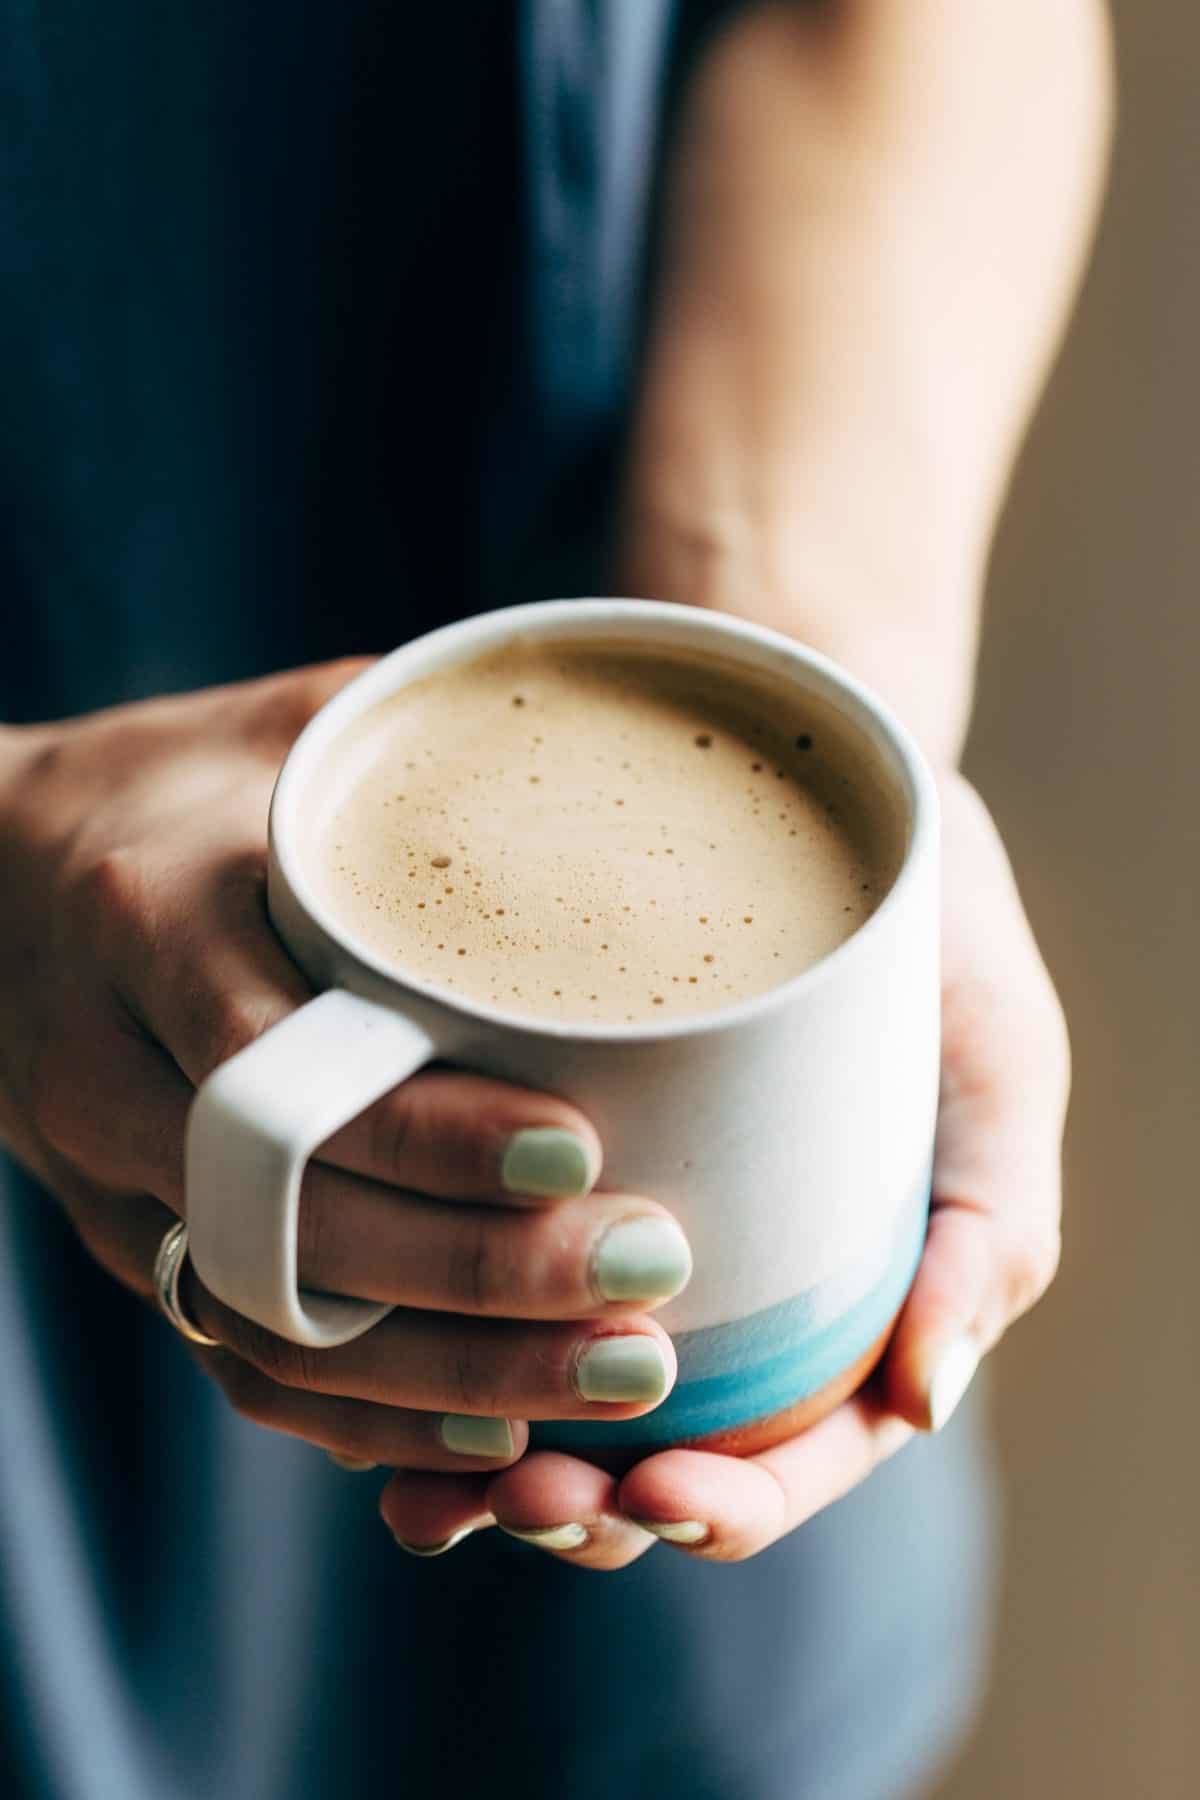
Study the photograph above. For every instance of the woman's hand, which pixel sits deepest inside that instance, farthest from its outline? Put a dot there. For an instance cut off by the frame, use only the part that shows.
(858, 291)
(859, 288)
(991, 1250)
(136, 955)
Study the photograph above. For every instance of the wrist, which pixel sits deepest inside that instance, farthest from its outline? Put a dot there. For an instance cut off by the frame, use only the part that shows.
(903, 622)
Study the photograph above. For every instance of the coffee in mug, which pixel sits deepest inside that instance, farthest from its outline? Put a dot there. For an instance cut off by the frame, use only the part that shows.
(599, 833)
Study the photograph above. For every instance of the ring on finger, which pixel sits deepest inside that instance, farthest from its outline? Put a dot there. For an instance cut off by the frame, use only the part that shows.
(168, 1266)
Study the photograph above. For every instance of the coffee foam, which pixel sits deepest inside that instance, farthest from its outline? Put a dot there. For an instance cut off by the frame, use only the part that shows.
(600, 834)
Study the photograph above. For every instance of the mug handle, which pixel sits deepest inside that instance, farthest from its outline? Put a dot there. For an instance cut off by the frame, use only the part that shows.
(252, 1127)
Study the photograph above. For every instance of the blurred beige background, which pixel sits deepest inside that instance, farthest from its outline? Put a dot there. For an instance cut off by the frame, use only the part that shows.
(1087, 745)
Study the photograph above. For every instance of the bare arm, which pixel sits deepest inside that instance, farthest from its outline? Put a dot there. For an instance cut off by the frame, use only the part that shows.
(877, 219)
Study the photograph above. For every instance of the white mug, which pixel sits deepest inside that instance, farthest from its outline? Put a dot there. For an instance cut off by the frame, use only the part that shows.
(790, 1133)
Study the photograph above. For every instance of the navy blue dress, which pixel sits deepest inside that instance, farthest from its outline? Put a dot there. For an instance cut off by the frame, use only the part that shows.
(316, 329)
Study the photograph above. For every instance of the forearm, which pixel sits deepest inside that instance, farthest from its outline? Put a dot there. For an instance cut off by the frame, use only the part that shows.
(876, 219)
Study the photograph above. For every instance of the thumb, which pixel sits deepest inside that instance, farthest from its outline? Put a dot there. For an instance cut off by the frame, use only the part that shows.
(993, 1240)
(977, 1275)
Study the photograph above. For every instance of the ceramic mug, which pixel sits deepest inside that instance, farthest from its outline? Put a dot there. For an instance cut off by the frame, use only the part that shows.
(790, 1133)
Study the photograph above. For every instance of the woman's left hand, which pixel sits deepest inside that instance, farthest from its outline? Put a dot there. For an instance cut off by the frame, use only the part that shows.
(991, 1251)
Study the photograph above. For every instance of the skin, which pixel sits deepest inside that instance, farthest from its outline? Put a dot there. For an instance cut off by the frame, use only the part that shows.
(827, 196)
(877, 219)
(137, 956)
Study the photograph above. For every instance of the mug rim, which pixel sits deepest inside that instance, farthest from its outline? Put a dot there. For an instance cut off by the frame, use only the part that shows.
(480, 632)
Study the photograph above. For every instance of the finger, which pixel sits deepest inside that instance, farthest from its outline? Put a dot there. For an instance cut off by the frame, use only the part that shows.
(559, 1505)
(726, 1508)
(993, 1240)
(465, 1137)
(122, 1232)
(430, 1514)
(109, 1101)
(436, 1362)
(204, 973)
(368, 1434)
(195, 958)
(979, 1272)
(582, 1258)
(569, 1508)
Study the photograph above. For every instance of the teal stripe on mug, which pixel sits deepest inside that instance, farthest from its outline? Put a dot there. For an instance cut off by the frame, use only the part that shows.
(766, 1362)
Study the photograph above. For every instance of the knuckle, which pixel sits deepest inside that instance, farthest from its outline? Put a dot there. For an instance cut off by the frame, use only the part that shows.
(416, 1132)
(47, 762)
(470, 1378)
(239, 890)
(113, 883)
(111, 899)
(280, 1361)
(471, 1275)
(235, 1019)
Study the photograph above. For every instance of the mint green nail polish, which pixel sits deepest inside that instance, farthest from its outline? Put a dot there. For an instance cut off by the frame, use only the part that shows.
(952, 1376)
(641, 1259)
(551, 1537)
(549, 1162)
(675, 1531)
(468, 1436)
(622, 1368)
(439, 1549)
(352, 1464)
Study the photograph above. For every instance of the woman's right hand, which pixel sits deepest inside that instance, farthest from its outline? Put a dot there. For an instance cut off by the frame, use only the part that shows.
(136, 955)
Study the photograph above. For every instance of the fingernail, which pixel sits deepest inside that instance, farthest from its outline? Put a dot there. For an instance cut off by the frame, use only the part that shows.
(645, 1258)
(468, 1436)
(621, 1368)
(891, 1435)
(681, 1531)
(952, 1373)
(436, 1549)
(551, 1537)
(547, 1161)
(351, 1463)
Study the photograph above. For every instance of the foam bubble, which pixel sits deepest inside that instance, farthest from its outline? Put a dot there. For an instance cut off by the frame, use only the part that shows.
(553, 867)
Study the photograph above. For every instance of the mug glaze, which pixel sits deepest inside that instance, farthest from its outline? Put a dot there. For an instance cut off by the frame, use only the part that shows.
(790, 1133)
